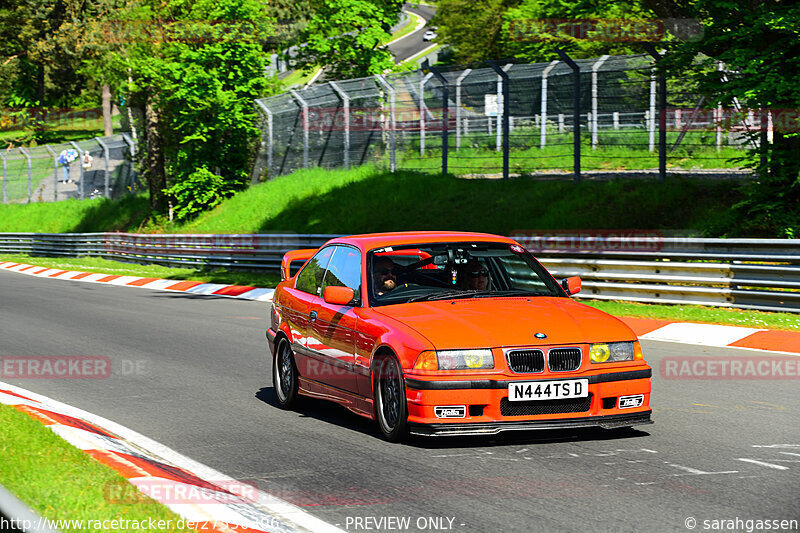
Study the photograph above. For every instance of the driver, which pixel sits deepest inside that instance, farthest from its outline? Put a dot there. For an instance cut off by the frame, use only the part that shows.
(477, 276)
(384, 275)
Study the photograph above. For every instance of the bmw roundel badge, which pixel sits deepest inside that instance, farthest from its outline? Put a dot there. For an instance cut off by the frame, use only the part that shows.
(540, 335)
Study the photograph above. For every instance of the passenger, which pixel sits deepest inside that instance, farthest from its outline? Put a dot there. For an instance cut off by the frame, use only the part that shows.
(384, 275)
(477, 276)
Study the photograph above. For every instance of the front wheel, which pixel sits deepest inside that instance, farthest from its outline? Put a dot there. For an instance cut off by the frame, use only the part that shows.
(391, 408)
(284, 375)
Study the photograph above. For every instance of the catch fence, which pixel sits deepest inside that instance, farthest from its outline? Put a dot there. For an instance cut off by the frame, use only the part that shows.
(560, 118)
(35, 174)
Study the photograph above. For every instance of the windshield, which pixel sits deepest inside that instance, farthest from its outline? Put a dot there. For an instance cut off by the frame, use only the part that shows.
(442, 271)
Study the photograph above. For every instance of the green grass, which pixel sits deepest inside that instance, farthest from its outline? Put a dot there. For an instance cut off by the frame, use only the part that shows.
(478, 152)
(298, 77)
(698, 313)
(61, 482)
(367, 199)
(408, 28)
(105, 266)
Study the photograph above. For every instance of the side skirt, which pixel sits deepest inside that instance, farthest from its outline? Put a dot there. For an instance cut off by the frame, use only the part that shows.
(358, 404)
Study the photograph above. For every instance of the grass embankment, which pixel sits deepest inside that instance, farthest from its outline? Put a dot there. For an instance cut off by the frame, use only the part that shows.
(61, 482)
(62, 131)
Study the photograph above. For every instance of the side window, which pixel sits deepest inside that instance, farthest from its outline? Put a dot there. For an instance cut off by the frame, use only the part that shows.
(344, 270)
(310, 278)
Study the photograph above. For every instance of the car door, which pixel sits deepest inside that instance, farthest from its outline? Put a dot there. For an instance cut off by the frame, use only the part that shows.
(332, 330)
(307, 287)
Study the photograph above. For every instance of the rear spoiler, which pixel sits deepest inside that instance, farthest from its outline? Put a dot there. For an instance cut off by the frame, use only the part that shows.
(293, 256)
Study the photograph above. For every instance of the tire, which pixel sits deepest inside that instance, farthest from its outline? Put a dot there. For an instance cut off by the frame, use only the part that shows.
(284, 375)
(391, 408)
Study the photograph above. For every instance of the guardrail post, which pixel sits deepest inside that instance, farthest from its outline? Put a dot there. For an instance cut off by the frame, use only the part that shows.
(269, 136)
(392, 119)
(595, 68)
(445, 116)
(132, 147)
(458, 105)
(346, 103)
(304, 106)
(543, 124)
(503, 98)
(576, 114)
(105, 156)
(422, 83)
(28, 157)
(55, 171)
(5, 195)
(80, 153)
(661, 79)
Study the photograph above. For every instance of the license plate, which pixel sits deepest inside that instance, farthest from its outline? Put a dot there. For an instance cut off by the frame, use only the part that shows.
(524, 391)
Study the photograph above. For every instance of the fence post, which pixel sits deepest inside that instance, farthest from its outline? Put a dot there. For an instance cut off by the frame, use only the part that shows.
(422, 83)
(445, 116)
(28, 157)
(651, 117)
(304, 106)
(55, 172)
(576, 114)
(661, 78)
(132, 147)
(501, 105)
(5, 195)
(269, 136)
(718, 113)
(392, 119)
(80, 153)
(107, 173)
(506, 100)
(543, 123)
(595, 68)
(346, 102)
(458, 106)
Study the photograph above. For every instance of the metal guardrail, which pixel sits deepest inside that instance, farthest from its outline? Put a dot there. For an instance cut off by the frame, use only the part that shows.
(759, 274)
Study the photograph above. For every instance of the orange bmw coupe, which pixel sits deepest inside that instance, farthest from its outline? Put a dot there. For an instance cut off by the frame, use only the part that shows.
(434, 333)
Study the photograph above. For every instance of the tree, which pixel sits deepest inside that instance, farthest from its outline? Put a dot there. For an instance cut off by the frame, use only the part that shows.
(472, 28)
(759, 44)
(347, 37)
(196, 68)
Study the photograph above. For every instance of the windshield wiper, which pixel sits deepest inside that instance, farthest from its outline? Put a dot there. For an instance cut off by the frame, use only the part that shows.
(448, 295)
(511, 292)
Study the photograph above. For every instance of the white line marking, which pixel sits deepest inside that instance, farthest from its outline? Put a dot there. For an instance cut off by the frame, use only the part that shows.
(762, 463)
(696, 472)
(790, 453)
(776, 445)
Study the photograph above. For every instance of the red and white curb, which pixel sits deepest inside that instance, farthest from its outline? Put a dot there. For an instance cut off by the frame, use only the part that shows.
(242, 292)
(209, 500)
(716, 335)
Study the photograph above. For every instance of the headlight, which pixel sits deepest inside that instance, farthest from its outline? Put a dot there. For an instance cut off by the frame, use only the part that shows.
(612, 352)
(455, 360)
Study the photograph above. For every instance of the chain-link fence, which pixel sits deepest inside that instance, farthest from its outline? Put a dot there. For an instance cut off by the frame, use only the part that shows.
(507, 119)
(41, 174)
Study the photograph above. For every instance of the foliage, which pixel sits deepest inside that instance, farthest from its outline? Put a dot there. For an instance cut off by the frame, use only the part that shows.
(200, 191)
(199, 78)
(347, 36)
(760, 46)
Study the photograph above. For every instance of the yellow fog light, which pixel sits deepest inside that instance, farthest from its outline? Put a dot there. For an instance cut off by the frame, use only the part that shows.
(599, 353)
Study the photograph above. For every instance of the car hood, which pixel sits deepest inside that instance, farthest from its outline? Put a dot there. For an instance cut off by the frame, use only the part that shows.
(495, 322)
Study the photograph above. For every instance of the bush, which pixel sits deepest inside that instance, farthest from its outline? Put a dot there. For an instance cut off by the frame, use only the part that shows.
(200, 191)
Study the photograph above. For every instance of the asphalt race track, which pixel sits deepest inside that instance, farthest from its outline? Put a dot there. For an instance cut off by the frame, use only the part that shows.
(413, 43)
(192, 373)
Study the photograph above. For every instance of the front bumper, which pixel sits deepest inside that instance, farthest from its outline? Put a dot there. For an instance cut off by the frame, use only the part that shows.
(485, 409)
(492, 428)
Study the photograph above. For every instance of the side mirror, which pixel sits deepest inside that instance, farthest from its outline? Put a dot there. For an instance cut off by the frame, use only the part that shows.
(338, 295)
(571, 284)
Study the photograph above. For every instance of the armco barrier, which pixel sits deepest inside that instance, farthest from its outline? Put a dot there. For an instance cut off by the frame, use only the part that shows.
(759, 274)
